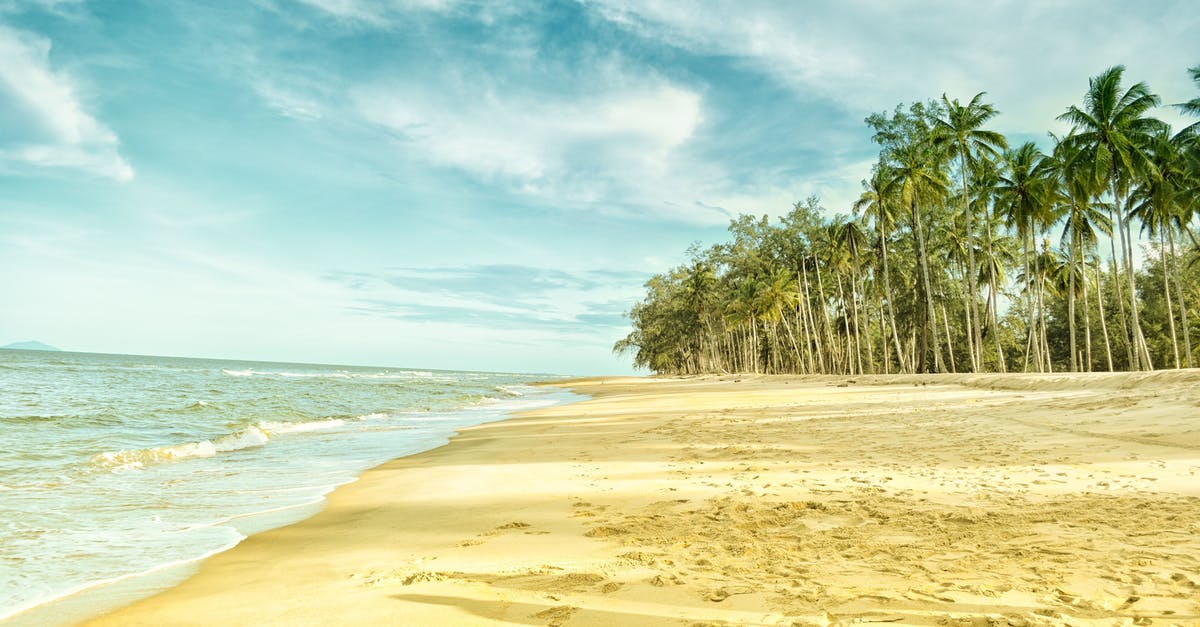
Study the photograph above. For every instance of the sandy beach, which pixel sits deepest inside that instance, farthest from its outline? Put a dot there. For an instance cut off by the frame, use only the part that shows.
(936, 500)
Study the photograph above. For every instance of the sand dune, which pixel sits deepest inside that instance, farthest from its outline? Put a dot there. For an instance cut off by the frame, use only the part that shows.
(949, 500)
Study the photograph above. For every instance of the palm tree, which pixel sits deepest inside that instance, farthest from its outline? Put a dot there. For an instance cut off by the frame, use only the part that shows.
(839, 261)
(1112, 127)
(1192, 106)
(1159, 203)
(1079, 184)
(986, 178)
(878, 204)
(1024, 202)
(851, 238)
(1045, 275)
(962, 128)
(699, 283)
(920, 180)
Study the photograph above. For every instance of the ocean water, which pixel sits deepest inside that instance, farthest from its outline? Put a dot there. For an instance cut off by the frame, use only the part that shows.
(114, 466)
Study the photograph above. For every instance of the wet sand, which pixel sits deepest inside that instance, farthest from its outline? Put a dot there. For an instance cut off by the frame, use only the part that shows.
(935, 500)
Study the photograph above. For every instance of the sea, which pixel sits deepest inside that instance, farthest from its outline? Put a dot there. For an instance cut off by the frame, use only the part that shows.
(118, 473)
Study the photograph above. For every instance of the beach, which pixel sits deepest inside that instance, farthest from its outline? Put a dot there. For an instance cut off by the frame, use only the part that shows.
(754, 500)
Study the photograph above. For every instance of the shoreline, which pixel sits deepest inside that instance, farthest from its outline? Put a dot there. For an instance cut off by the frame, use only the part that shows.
(93, 599)
(664, 501)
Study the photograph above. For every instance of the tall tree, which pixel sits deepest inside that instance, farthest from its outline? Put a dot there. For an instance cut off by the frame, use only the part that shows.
(921, 182)
(878, 204)
(1078, 185)
(1192, 106)
(1113, 127)
(1024, 202)
(961, 126)
(1160, 202)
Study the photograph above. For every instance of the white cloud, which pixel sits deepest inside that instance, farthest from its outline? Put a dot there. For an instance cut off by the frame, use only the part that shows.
(58, 7)
(47, 125)
(589, 148)
(1033, 60)
(289, 102)
(374, 12)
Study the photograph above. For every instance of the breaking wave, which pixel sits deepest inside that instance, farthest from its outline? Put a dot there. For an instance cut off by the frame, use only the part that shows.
(251, 437)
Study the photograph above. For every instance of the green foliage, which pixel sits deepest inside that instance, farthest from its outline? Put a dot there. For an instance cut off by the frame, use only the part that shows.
(960, 255)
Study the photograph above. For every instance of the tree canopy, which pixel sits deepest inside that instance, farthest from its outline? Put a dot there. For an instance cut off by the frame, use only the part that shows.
(962, 254)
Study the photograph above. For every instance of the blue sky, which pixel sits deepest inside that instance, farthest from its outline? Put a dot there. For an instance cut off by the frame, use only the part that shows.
(450, 184)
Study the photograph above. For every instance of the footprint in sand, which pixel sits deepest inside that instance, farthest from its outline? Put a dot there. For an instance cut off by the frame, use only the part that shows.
(556, 616)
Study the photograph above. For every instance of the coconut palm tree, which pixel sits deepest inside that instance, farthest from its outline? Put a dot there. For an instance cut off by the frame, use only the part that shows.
(699, 283)
(1083, 219)
(1159, 202)
(1113, 127)
(1024, 201)
(921, 181)
(1045, 276)
(878, 204)
(852, 238)
(961, 126)
(985, 179)
(1192, 106)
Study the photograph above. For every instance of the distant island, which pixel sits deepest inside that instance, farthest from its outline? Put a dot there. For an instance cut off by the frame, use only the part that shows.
(31, 345)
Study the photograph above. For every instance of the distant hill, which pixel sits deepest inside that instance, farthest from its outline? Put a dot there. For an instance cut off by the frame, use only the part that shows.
(31, 345)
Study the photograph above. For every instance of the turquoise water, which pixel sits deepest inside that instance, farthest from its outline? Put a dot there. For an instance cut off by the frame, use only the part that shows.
(115, 465)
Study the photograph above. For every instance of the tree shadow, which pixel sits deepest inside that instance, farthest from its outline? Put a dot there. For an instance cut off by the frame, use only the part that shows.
(531, 613)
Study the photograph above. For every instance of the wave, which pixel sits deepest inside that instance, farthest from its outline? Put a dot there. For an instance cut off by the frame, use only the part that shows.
(251, 437)
(279, 428)
(509, 390)
(399, 375)
(140, 458)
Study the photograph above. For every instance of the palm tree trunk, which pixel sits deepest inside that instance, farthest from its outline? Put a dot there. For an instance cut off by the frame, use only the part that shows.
(1139, 340)
(974, 329)
(1001, 364)
(883, 343)
(859, 338)
(1117, 283)
(802, 324)
(1045, 349)
(788, 327)
(812, 320)
(1031, 329)
(866, 309)
(887, 286)
(825, 316)
(930, 312)
(772, 333)
(852, 350)
(949, 342)
(1071, 300)
(754, 348)
(1183, 314)
(967, 298)
(1103, 316)
(817, 339)
(1162, 256)
(1087, 316)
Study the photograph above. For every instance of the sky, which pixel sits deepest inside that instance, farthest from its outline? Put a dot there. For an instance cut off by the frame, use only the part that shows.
(467, 185)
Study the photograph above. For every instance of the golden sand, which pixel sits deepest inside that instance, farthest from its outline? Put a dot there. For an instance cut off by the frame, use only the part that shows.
(949, 500)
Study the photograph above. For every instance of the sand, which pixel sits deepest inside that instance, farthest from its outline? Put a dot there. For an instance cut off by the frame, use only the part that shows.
(951, 500)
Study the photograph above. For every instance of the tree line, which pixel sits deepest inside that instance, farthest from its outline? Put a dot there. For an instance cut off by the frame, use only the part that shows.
(962, 254)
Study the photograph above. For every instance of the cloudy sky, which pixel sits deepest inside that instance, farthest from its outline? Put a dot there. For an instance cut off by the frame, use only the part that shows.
(451, 184)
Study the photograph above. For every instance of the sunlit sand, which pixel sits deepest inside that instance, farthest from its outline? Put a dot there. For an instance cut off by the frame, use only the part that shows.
(960, 500)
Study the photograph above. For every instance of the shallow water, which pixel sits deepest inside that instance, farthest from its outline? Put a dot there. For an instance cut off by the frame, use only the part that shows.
(115, 465)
